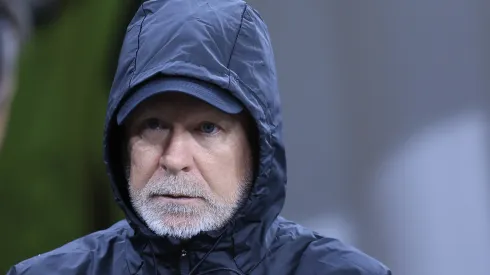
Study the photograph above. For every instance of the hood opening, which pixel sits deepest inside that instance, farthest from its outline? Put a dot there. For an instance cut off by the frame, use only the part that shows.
(239, 59)
(117, 156)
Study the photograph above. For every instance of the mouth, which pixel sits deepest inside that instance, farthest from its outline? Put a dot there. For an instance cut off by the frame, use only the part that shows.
(174, 197)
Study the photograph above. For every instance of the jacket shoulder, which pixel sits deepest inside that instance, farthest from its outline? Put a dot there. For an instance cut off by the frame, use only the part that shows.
(321, 255)
(74, 256)
(332, 257)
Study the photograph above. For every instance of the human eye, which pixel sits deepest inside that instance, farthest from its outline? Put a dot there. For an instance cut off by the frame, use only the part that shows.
(152, 124)
(152, 129)
(209, 128)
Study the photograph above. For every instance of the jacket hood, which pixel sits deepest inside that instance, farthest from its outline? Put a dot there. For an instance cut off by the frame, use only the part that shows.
(221, 42)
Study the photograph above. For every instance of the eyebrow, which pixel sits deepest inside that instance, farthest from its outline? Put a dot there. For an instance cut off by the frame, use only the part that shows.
(201, 114)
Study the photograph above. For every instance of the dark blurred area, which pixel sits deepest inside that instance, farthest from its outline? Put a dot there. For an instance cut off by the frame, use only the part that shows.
(45, 12)
(53, 185)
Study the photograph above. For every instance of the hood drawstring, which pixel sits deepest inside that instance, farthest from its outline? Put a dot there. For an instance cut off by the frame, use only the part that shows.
(236, 271)
(234, 254)
(207, 254)
(239, 272)
(199, 263)
(154, 258)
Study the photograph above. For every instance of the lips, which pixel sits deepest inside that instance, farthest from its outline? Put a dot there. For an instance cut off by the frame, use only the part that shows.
(178, 196)
(175, 196)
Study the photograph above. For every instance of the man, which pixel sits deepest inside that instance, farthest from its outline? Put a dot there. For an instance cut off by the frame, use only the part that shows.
(193, 145)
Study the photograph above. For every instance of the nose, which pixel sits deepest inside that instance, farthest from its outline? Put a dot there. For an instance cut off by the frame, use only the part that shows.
(177, 155)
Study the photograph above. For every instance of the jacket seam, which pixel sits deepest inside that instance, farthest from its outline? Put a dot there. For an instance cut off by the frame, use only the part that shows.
(138, 47)
(234, 44)
(236, 37)
(263, 104)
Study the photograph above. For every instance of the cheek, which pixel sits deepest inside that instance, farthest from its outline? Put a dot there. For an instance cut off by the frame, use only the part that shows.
(144, 162)
(226, 167)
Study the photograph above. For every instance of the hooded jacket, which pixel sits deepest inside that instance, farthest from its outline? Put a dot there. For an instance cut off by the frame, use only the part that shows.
(225, 43)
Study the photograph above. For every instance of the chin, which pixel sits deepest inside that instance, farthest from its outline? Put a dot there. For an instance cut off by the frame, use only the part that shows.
(183, 220)
(184, 226)
(177, 227)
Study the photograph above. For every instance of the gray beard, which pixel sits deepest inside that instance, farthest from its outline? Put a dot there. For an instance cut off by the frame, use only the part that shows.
(183, 221)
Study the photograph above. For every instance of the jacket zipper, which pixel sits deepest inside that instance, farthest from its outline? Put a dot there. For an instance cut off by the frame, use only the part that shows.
(184, 262)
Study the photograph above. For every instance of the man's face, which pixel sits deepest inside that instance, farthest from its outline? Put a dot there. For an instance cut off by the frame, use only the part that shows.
(190, 165)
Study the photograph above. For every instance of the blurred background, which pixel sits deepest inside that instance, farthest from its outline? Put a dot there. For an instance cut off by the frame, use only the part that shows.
(387, 124)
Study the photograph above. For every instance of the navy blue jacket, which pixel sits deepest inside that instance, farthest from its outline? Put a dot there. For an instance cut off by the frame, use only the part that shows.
(227, 43)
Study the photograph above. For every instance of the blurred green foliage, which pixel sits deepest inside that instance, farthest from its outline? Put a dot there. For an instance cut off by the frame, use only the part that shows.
(51, 166)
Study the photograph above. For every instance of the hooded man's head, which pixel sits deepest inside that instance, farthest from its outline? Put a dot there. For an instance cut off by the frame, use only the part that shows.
(189, 155)
(193, 119)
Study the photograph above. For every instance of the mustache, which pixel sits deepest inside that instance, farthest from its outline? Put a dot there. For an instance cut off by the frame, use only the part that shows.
(177, 186)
